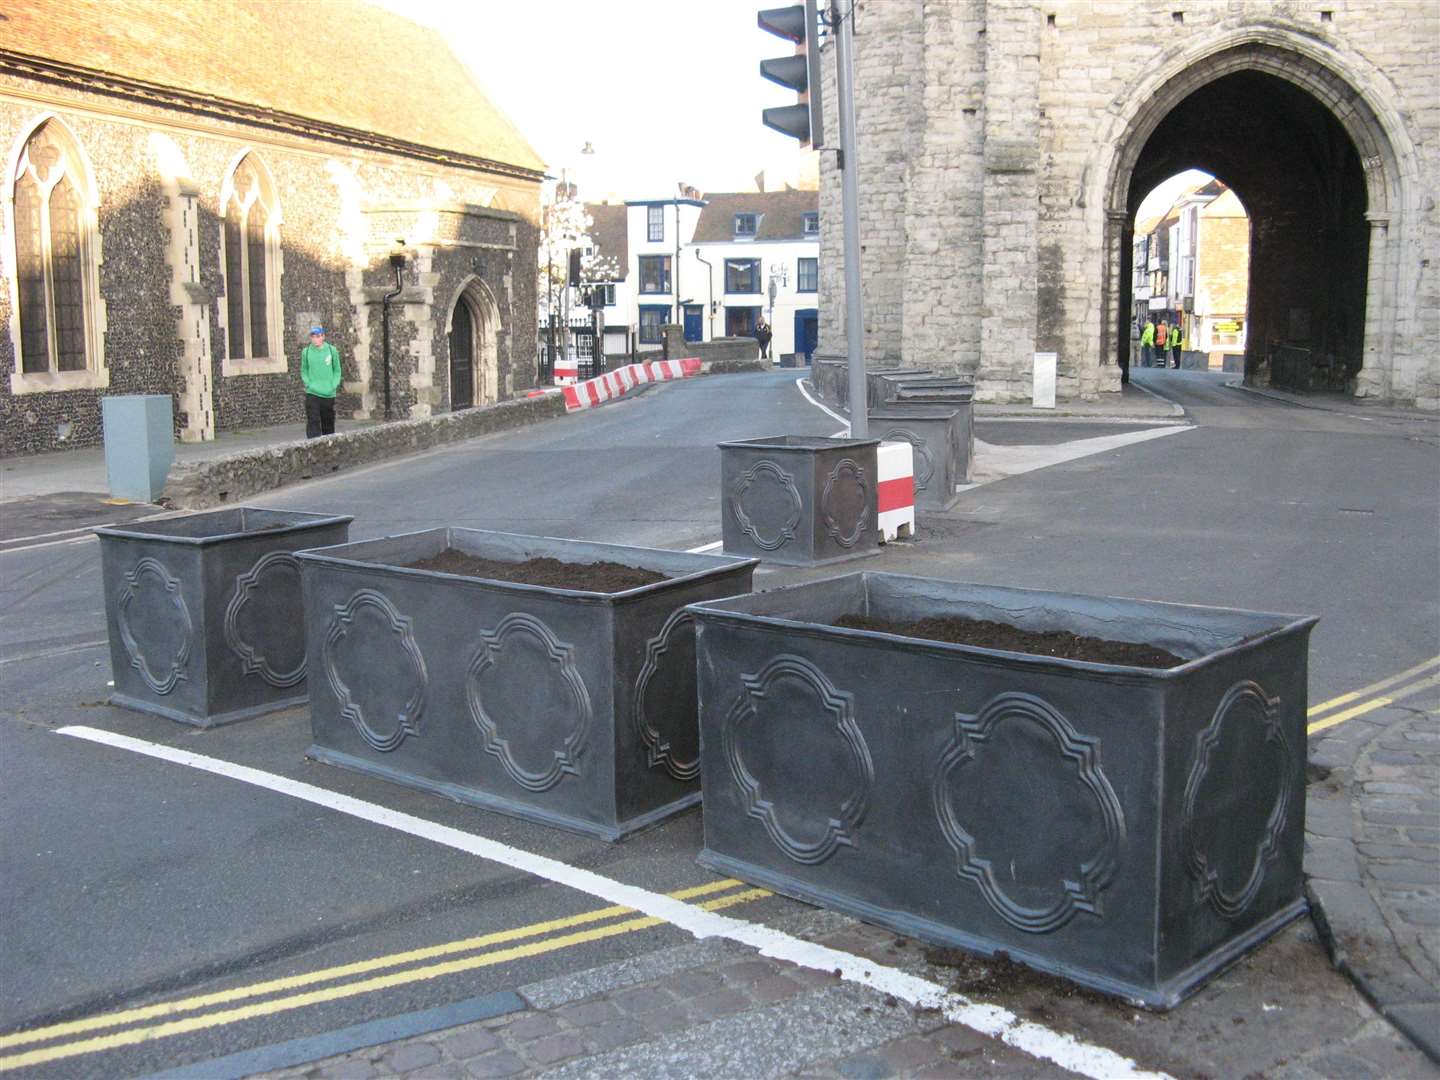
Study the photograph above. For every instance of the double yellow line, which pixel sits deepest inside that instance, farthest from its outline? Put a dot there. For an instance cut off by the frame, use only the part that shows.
(1396, 688)
(343, 978)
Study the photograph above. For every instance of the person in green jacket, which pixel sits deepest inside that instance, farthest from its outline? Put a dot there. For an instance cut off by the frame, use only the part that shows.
(1147, 343)
(320, 372)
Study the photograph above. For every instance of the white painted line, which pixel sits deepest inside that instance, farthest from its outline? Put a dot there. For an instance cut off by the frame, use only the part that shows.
(63, 650)
(1064, 1050)
(800, 385)
(995, 461)
(704, 548)
(92, 525)
(53, 543)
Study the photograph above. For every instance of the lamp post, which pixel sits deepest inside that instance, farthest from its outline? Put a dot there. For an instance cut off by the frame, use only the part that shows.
(779, 275)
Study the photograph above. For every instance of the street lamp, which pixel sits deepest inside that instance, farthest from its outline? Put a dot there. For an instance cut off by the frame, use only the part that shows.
(779, 275)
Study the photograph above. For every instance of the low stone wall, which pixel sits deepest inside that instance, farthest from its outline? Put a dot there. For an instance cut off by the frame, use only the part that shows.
(709, 352)
(734, 367)
(235, 478)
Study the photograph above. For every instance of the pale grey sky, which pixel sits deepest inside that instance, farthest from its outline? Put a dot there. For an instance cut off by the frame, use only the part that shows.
(664, 90)
(1165, 193)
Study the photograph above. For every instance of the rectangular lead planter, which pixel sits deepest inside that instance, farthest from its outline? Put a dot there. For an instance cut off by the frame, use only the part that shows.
(877, 379)
(1133, 829)
(799, 499)
(204, 611)
(561, 706)
(941, 436)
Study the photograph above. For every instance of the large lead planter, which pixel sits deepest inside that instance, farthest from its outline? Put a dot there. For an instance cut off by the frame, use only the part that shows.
(204, 611)
(1134, 829)
(877, 379)
(942, 437)
(561, 706)
(799, 499)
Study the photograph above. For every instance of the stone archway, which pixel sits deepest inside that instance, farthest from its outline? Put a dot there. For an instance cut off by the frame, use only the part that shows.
(472, 337)
(1348, 154)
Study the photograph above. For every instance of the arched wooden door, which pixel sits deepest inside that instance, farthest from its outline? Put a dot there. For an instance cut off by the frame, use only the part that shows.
(462, 357)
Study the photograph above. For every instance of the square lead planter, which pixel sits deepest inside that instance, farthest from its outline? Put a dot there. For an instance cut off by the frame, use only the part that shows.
(799, 499)
(204, 611)
(941, 436)
(1130, 828)
(561, 706)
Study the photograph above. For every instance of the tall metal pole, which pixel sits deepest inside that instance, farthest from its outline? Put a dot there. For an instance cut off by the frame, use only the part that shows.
(849, 162)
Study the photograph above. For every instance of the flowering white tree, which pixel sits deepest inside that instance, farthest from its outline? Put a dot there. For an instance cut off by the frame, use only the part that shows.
(565, 226)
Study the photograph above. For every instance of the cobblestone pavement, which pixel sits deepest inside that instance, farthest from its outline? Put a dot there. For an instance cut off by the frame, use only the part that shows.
(1373, 858)
(715, 1009)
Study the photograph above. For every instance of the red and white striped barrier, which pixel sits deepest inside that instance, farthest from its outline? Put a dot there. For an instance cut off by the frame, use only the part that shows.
(622, 380)
(895, 490)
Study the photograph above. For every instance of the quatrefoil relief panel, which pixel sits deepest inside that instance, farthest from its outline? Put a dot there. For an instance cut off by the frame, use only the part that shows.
(799, 759)
(665, 694)
(1023, 801)
(766, 504)
(924, 460)
(268, 595)
(529, 702)
(376, 669)
(155, 625)
(845, 503)
(1237, 798)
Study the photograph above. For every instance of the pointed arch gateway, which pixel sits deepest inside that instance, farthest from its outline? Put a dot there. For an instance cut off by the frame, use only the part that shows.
(1327, 175)
(472, 334)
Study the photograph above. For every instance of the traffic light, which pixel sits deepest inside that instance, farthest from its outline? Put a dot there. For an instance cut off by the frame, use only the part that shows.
(800, 72)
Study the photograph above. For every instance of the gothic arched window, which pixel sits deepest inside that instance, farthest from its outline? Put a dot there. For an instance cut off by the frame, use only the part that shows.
(54, 256)
(251, 244)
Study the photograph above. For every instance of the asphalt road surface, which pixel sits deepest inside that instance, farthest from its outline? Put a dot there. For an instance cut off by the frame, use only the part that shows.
(126, 881)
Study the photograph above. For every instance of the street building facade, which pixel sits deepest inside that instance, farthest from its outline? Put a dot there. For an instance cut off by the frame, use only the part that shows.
(1004, 147)
(715, 264)
(184, 199)
(1191, 270)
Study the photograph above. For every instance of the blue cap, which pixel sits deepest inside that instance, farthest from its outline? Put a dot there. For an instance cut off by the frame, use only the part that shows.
(317, 329)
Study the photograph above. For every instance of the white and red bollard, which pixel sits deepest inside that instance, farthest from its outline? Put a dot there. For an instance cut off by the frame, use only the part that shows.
(895, 490)
(567, 370)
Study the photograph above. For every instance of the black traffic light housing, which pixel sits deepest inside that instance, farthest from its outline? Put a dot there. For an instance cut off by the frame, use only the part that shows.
(800, 72)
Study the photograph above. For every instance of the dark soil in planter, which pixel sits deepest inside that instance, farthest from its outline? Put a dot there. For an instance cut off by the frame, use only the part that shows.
(993, 635)
(607, 577)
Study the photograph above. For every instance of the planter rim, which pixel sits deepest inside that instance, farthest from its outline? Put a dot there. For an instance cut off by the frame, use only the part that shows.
(313, 520)
(719, 565)
(777, 443)
(717, 609)
(928, 410)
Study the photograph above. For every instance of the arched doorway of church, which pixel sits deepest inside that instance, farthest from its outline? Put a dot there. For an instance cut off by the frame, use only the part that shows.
(473, 349)
(1255, 121)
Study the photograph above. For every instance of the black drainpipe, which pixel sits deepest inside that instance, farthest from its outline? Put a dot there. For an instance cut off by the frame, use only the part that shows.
(397, 263)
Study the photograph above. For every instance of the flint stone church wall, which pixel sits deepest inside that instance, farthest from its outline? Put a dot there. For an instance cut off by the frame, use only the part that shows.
(993, 139)
(462, 228)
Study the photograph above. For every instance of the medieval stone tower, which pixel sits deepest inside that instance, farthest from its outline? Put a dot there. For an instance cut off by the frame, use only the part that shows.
(1006, 144)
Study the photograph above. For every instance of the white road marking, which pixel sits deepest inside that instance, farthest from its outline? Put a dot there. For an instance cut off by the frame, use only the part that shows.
(800, 385)
(704, 548)
(82, 529)
(995, 462)
(1064, 1050)
(52, 543)
(63, 650)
